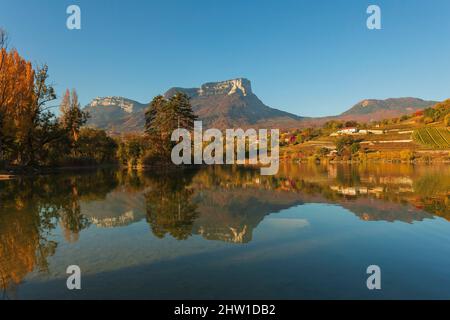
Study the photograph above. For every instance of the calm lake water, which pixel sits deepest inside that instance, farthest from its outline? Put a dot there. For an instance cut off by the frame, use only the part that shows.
(227, 233)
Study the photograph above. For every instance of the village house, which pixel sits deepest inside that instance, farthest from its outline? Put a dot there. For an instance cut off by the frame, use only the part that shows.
(345, 131)
(353, 131)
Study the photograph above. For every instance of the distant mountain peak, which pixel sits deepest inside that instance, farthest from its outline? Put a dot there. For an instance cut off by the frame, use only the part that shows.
(126, 105)
(232, 103)
(116, 114)
(240, 86)
(235, 86)
(365, 103)
(221, 104)
(392, 106)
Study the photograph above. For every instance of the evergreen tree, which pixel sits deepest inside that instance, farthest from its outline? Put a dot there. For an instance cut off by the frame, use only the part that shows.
(182, 109)
(162, 118)
(152, 115)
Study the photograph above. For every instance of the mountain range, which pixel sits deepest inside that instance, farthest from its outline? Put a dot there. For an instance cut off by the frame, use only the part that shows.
(232, 104)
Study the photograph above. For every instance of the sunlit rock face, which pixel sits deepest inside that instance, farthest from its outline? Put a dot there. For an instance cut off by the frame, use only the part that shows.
(222, 105)
(240, 86)
(124, 104)
(237, 86)
(232, 104)
(116, 114)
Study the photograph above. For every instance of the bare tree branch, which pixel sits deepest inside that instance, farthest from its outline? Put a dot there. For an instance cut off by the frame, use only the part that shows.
(3, 39)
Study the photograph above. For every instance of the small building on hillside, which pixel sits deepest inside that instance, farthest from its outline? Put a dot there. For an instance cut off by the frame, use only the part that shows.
(349, 130)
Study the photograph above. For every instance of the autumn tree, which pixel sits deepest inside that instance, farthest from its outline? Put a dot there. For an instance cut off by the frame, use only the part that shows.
(96, 147)
(41, 127)
(72, 117)
(17, 102)
(64, 107)
(333, 125)
(27, 126)
(351, 123)
(134, 151)
(347, 144)
(30, 133)
(131, 149)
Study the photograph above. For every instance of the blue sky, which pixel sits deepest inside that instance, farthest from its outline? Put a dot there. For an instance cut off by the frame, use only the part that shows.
(310, 58)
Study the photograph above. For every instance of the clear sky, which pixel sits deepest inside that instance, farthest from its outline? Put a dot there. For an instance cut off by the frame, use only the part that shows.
(310, 58)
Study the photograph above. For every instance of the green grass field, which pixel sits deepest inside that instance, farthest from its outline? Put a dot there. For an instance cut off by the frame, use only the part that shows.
(436, 138)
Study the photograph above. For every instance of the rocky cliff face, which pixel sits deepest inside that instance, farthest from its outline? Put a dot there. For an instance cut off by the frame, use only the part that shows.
(116, 114)
(240, 86)
(237, 86)
(232, 104)
(224, 104)
(126, 105)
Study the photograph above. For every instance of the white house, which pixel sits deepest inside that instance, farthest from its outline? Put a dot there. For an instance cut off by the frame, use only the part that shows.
(349, 130)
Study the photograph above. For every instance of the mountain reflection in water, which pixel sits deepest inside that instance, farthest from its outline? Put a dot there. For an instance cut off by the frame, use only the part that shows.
(226, 204)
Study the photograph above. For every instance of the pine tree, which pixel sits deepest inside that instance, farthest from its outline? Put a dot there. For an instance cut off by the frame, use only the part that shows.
(152, 126)
(181, 106)
(163, 117)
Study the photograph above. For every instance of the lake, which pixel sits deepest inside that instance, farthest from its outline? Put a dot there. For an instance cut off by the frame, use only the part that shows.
(309, 232)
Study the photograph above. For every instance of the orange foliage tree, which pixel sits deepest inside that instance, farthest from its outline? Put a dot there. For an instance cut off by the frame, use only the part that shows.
(25, 124)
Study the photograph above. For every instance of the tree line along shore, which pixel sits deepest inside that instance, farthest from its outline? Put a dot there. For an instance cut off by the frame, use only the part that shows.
(32, 137)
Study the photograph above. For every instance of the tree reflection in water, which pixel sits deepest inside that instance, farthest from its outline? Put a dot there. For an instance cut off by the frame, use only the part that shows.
(170, 209)
(217, 203)
(31, 208)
